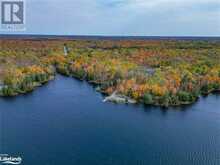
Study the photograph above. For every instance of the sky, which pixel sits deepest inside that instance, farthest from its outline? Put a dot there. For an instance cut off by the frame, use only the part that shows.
(123, 17)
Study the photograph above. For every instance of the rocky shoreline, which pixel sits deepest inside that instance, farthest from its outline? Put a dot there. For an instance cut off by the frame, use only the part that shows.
(116, 98)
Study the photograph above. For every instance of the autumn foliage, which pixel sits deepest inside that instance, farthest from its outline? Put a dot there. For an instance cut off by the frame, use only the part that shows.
(153, 72)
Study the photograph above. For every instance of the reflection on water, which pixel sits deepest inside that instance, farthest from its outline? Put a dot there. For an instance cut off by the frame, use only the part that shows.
(66, 122)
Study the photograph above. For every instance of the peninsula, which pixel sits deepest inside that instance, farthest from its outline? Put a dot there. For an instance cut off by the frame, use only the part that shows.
(166, 72)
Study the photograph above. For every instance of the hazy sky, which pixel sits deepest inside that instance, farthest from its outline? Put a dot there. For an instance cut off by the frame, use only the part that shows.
(124, 17)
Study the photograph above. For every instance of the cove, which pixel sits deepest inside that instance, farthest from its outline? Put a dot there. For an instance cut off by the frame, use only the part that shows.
(66, 122)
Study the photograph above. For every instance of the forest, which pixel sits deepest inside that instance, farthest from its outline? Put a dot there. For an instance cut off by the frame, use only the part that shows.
(152, 72)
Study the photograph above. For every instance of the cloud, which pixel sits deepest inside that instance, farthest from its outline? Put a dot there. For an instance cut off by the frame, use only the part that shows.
(124, 17)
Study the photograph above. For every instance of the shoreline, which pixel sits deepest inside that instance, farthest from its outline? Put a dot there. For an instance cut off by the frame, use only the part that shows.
(114, 97)
(153, 72)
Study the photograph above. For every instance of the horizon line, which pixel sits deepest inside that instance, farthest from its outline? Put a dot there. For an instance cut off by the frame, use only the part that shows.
(85, 35)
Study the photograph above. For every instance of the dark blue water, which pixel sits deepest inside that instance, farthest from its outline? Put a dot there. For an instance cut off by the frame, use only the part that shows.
(66, 123)
(111, 38)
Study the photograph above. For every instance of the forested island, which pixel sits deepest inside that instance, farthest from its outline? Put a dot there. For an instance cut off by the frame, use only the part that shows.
(152, 72)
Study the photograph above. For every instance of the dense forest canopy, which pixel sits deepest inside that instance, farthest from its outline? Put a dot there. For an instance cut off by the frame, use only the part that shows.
(159, 72)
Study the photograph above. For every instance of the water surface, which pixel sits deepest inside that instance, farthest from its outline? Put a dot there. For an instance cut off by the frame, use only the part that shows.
(66, 122)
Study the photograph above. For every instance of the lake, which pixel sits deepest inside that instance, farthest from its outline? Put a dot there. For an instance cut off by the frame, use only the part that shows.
(66, 122)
